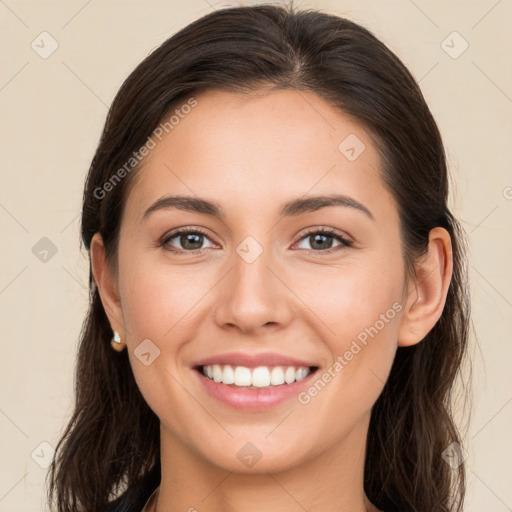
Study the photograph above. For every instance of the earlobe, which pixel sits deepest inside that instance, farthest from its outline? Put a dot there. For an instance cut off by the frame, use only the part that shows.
(106, 284)
(426, 299)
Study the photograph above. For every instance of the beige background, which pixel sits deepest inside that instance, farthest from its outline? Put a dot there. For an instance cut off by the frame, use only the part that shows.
(52, 112)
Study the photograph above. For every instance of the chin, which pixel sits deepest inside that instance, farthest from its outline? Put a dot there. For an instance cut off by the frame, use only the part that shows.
(274, 463)
(256, 455)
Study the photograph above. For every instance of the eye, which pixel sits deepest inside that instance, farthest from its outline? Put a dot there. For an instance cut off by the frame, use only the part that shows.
(190, 239)
(321, 240)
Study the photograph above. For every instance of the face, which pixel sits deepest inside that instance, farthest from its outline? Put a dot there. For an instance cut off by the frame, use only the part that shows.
(318, 287)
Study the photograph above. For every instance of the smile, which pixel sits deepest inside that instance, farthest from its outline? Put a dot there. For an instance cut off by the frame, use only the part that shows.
(253, 381)
(252, 378)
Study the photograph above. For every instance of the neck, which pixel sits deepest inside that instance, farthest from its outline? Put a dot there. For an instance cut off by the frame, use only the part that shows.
(330, 480)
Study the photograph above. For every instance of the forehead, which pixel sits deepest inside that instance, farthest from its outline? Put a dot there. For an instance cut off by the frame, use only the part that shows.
(251, 151)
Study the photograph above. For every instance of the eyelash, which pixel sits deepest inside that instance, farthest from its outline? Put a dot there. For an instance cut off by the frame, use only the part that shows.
(345, 242)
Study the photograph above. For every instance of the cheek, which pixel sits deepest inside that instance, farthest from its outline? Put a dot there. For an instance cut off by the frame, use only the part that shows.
(360, 308)
(161, 304)
(352, 296)
(159, 300)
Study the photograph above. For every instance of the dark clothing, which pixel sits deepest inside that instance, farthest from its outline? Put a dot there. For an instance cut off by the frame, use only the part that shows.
(134, 498)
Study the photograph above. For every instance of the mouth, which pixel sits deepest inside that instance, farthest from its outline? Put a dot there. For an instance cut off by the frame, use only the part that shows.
(253, 389)
(260, 377)
(253, 382)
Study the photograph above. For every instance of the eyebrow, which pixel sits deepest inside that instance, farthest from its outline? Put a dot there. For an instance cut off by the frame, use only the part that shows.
(291, 208)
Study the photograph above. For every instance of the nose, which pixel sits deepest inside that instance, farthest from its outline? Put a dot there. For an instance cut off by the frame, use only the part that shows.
(253, 296)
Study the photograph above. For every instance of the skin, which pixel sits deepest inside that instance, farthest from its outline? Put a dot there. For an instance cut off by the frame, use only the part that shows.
(251, 154)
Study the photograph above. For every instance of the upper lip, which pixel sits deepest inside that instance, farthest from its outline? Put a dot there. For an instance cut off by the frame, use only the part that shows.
(252, 360)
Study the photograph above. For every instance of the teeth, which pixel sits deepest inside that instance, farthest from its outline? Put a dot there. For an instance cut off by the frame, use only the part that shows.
(217, 373)
(277, 376)
(260, 377)
(242, 376)
(289, 375)
(301, 373)
(228, 375)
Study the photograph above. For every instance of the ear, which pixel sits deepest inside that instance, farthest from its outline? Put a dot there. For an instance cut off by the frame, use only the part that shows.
(106, 283)
(426, 297)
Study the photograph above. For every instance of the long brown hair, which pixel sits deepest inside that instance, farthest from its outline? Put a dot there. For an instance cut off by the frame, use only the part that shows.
(112, 439)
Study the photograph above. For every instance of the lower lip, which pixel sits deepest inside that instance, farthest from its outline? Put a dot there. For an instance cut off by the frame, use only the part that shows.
(253, 399)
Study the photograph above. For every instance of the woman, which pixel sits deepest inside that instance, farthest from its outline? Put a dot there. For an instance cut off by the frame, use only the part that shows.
(275, 264)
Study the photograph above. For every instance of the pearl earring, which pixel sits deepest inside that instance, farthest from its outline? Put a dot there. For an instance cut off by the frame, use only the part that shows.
(117, 344)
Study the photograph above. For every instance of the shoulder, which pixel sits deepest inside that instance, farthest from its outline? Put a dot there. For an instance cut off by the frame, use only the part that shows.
(134, 498)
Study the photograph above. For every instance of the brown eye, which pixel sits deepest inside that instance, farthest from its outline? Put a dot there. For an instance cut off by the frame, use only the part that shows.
(322, 240)
(188, 240)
